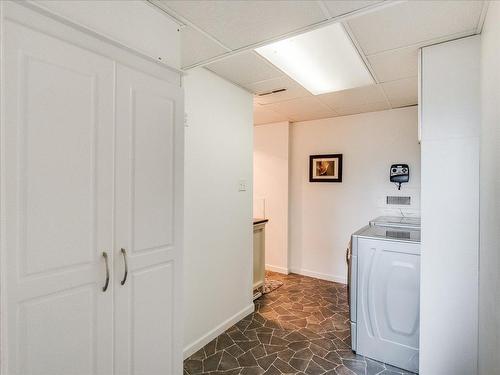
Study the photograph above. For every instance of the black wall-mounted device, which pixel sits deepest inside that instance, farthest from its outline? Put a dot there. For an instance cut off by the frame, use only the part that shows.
(399, 174)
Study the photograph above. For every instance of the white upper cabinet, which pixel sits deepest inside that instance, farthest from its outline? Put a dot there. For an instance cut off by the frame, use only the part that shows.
(450, 103)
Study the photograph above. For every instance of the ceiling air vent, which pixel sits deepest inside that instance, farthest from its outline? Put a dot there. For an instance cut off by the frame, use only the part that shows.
(398, 200)
(271, 92)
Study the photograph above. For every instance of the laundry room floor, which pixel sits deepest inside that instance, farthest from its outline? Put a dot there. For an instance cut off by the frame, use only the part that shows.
(300, 328)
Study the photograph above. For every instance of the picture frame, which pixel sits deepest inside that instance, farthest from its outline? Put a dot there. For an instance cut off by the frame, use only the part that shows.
(325, 168)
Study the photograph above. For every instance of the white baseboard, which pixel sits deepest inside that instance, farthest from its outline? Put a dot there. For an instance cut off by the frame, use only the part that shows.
(284, 270)
(317, 275)
(212, 334)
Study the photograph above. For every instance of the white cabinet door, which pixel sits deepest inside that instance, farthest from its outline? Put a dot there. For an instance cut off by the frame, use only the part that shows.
(388, 302)
(149, 201)
(56, 203)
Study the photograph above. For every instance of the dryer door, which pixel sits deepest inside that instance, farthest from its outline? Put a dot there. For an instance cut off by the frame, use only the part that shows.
(388, 302)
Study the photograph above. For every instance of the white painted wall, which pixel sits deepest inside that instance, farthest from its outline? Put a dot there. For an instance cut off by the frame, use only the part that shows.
(450, 207)
(489, 254)
(323, 215)
(134, 23)
(218, 219)
(270, 184)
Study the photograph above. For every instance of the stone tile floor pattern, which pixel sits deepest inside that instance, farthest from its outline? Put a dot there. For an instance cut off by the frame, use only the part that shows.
(301, 328)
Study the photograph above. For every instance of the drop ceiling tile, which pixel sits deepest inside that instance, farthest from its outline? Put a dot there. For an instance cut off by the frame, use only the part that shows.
(413, 22)
(302, 109)
(241, 23)
(262, 115)
(396, 64)
(368, 107)
(293, 90)
(244, 68)
(353, 97)
(402, 92)
(197, 47)
(338, 7)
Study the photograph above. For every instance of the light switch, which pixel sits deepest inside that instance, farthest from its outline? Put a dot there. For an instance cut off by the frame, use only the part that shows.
(242, 185)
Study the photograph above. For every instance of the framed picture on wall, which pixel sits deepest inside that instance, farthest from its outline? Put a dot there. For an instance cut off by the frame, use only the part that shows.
(325, 168)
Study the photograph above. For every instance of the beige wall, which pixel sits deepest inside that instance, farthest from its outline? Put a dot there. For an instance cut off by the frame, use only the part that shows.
(489, 254)
(322, 216)
(270, 158)
(218, 217)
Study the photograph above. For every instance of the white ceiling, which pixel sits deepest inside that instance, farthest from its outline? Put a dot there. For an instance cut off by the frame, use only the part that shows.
(221, 36)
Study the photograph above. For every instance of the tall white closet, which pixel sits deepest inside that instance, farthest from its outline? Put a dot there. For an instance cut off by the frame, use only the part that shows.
(91, 203)
(450, 128)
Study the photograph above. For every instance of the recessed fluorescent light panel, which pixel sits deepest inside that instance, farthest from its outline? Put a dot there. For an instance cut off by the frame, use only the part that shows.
(322, 60)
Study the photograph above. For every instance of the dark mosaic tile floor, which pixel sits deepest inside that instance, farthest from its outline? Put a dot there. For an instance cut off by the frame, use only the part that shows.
(301, 328)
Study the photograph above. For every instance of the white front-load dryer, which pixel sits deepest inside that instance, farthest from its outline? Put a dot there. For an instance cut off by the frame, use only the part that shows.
(384, 294)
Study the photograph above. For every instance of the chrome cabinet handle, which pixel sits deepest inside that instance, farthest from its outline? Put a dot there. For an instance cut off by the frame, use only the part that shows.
(124, 253)
(105, 256)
